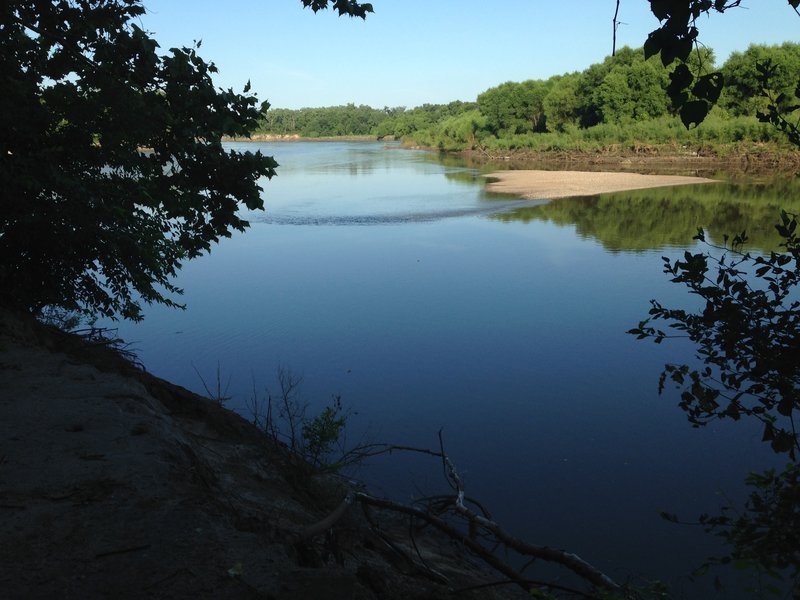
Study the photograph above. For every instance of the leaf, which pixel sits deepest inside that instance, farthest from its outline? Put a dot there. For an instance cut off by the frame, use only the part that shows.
(693, 113)
(660, 9)
(762, 271)
(681, 77)
(652, 45)
(785, 406)
(709, 87)
(782, 442)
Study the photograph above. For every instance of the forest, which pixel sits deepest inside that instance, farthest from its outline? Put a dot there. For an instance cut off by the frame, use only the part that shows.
(618, 101)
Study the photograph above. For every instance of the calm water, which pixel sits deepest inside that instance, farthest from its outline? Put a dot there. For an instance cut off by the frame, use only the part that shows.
(398, 283)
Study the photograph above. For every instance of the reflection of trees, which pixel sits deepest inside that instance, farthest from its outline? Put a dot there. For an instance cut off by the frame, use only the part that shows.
(664, 217)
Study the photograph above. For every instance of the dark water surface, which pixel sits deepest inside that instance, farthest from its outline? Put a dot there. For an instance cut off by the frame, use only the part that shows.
(399, 284)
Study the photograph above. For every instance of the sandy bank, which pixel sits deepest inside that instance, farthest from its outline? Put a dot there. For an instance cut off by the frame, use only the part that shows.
(117, 484)
(546, 185)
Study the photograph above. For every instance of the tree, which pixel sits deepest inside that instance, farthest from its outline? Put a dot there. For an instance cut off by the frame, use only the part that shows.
(110, 156)
(742, 93)
(514, 108)
(460, 131)
(692, 91)
(562, 104)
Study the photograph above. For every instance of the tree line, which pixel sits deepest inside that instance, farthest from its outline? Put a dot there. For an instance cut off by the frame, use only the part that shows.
(331, 121)
(593, 107)
(352, 120)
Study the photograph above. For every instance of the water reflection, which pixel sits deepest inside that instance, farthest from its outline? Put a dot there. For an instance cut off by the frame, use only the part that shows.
(362, 183)
(668, 217)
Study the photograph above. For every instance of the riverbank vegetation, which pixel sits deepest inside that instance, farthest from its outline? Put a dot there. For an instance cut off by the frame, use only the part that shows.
(617, 105)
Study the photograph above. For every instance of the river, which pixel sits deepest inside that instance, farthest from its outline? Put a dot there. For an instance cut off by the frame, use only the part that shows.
(393, 280)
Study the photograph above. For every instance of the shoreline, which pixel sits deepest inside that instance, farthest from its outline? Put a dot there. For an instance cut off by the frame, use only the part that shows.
(116, 483)
(296, 137)
(751, 159)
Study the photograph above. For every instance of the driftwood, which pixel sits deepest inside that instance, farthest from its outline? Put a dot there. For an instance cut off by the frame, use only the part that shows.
(478, 533)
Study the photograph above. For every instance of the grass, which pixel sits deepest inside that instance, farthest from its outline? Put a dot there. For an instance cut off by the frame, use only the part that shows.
(718, 135)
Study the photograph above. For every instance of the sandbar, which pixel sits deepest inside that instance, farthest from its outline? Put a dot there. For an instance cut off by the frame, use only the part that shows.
(547, 185)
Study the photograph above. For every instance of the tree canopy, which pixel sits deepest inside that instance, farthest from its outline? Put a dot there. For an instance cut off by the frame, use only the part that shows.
(111, 163)
(619, 100)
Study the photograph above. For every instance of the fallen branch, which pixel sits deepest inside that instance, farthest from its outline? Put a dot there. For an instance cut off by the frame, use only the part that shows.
(569, 560)
(447, 529)
(476, 528)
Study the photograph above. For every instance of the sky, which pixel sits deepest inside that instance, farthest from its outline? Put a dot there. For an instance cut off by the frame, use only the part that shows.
(411, 52)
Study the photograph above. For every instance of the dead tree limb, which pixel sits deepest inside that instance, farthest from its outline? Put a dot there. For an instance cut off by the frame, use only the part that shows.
(478, 527)
(571, 561)
(448, 530)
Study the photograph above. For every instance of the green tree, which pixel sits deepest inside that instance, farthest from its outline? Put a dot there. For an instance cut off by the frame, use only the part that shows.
(421, 121)
(614, 98)
(743, 84)
(461, 131)
(514, 108)
(562, 106)
(110, 156)
(693, 90)
(323, 122)
(623, 87)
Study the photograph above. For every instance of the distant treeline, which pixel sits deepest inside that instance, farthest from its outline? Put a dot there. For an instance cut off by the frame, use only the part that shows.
(619, 101)
(349, 120)
(329, 121)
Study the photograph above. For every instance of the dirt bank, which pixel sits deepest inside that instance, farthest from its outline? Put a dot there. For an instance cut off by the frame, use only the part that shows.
(116, 484)
(752, 159)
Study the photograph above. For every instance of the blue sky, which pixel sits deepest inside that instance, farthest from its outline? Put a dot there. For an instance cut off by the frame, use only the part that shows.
(414, 51)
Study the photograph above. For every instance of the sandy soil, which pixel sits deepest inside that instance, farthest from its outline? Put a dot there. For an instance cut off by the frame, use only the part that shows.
(116, 484)
(547, 185)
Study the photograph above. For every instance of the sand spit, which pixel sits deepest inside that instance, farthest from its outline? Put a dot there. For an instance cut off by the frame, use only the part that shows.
(547, 185)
